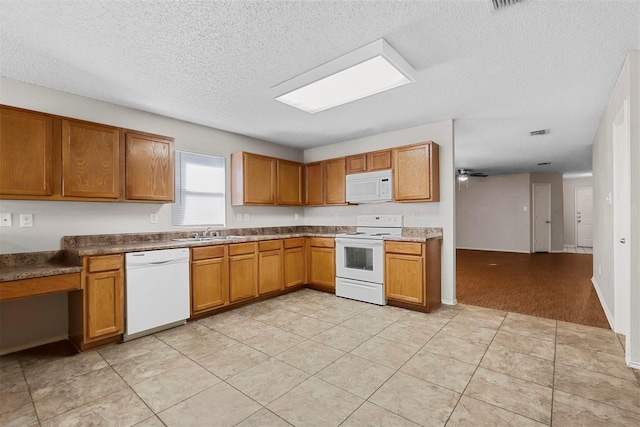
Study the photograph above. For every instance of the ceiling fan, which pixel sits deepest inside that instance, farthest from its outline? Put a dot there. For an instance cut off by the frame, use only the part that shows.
(464, 174)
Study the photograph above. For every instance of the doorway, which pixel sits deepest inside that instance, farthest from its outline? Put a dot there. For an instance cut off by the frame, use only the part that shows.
(584, 217)
(541, 217)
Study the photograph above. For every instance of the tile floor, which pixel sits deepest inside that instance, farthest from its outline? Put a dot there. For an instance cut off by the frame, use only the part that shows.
(313, 359)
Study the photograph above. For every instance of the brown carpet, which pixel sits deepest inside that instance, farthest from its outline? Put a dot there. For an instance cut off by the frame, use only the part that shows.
(554, 286)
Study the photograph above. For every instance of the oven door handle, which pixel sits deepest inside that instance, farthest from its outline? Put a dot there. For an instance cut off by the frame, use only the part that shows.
(359, 242)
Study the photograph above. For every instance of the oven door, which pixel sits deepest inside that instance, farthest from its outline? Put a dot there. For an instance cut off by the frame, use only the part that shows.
(360, 259)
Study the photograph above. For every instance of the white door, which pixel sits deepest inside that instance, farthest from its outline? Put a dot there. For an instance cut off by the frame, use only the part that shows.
(621, 221)
(542, 217)
(584, 217)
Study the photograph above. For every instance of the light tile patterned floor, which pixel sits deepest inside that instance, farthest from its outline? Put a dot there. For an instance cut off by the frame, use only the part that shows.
(313, 359)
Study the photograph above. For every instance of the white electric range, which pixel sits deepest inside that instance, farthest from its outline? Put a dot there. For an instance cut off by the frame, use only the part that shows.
(360, 258)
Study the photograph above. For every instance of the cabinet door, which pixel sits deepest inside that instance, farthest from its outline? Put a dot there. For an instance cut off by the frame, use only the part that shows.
(293, 266)
(243, 277)
(356, 163)
(90, 160)
(415, 173)
(314, 184)
(259, 179)
(104, 304)
(149, 167)
(270, 271)
(322, 266)
(289, 181)
(208, 283)
(25, 153)
(334, 184)
(379, 160)
(404, 278)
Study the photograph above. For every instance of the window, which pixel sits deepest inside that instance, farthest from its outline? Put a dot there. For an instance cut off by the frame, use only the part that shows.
(199, 189)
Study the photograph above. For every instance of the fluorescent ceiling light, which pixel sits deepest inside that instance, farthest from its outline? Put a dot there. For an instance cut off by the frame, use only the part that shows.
(372, 69)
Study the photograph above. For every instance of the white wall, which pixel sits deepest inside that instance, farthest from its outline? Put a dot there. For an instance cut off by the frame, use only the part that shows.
(491, 215)
(557, 208)
(53, 220)
(627, 88)
(433, 214)
(569, 189)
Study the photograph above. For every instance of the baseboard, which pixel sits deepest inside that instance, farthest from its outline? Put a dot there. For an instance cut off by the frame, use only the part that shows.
(493, 250)
(449, 302)
(603, 304)
(33, 344)
(557, 252)
(567, 247)
(634, 365)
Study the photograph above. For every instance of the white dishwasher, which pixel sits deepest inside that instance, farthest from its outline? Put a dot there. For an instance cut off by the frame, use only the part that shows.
(157, 291)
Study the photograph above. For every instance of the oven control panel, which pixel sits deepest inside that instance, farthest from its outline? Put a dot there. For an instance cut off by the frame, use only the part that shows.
(379, 221)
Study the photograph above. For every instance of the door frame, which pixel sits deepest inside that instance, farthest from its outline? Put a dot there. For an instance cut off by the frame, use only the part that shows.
(533, 214)
(575, 214)
(622, 220)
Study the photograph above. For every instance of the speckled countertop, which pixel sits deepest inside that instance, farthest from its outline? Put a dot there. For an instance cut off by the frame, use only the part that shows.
(68, 260)
(31, 265)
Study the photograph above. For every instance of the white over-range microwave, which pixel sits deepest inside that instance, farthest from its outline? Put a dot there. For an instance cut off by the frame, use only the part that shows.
(370, 187)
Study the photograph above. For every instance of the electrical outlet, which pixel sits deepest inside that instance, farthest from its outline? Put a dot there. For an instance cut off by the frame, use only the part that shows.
(26, 220)
(296, 217)
(246, 217)
(5, 220)
(336, 216)
(525, 208)
(415, 215)
(153, 218)
(239, 217)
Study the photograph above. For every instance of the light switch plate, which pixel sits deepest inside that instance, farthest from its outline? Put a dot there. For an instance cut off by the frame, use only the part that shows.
(5, 219)
(239, 217)
(26, 220)
(153, 218)
(246, 217)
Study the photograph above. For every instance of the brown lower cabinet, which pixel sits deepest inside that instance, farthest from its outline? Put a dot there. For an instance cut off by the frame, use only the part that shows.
(412, 274)
(209, 278)
(270, 266)
(96, 313)
(322, 263)
(243, 271)
(294, 262)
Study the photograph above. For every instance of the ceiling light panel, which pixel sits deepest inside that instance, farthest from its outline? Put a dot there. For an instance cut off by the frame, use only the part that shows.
(372, 69)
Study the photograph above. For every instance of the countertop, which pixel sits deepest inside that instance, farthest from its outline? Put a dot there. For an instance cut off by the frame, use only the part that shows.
(69, 259)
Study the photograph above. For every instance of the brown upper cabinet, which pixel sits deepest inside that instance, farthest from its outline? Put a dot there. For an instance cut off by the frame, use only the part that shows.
(90, 160)
(26, 153)
(289, 183)
(263, 180)
(47, 157)
(149, 167)
(325, 182)
(369, 162)
(314, 184)
(416, 173)
(334, 182)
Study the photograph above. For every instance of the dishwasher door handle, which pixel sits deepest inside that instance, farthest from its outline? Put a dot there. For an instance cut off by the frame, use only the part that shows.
(161, 262)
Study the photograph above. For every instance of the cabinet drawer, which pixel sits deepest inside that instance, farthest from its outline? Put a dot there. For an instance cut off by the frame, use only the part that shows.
(322, 242)
(242, 248)
(403, 248)
(270, 245)
(297, 242)
(105, 263)
(207, 252)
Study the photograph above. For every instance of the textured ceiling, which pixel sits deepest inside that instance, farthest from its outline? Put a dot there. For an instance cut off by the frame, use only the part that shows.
(535, 65)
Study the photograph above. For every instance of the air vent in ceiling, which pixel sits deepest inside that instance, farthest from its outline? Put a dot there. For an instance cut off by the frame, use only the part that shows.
(539, 132)
(499, 4)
